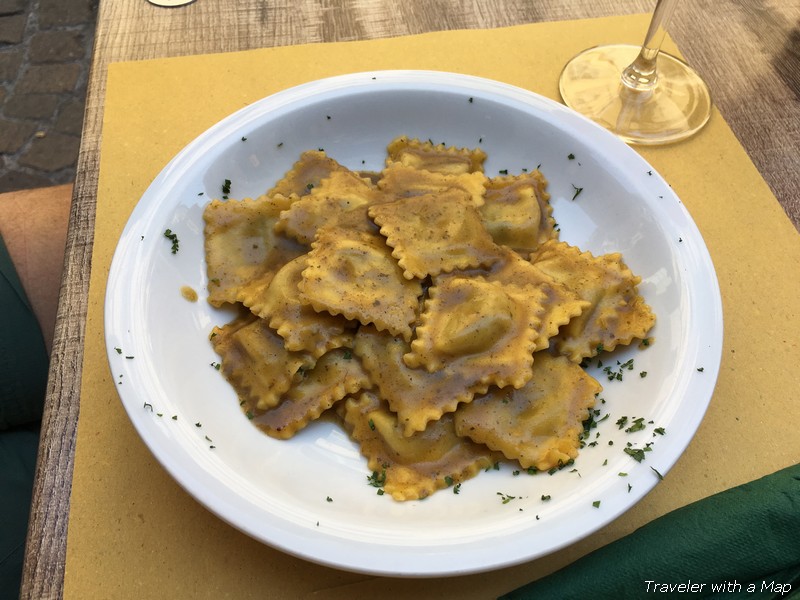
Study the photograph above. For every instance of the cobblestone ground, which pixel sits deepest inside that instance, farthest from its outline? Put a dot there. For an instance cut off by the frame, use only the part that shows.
(45, 49)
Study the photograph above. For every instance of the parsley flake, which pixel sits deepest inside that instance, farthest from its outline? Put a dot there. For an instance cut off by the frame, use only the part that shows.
(377, 480)
(506, 498)
(168, 233)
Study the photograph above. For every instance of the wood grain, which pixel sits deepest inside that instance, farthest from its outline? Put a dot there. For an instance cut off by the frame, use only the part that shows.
(747, 50)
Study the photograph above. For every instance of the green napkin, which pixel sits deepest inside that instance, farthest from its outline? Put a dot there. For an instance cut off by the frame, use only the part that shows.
(23, 356)
(740, 543)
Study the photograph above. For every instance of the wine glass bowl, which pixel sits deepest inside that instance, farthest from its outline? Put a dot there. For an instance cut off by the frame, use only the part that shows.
(643, 95)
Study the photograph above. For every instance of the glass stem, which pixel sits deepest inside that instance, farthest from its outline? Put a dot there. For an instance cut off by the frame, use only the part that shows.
(641, 73)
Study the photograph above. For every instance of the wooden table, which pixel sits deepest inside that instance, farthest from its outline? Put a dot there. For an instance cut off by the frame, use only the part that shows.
(747, 50)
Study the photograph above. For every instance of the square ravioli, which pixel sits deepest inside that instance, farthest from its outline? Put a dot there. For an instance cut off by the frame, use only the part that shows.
(401, 181)
(517, 213)
(431, 309)
(434, 157)
(434, 233)
(336, 375)
(256, 362)
(242, 251)
(476, 326)
(337, 194)
(352, 273)
(538, 425)
(411, 467)
(416, 396)
(617, 313)
(302, 328)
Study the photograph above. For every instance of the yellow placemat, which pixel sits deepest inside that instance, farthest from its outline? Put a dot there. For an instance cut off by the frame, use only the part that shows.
(133, 532)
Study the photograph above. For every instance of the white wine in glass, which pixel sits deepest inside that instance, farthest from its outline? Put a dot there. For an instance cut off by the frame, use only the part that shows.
(643, 95)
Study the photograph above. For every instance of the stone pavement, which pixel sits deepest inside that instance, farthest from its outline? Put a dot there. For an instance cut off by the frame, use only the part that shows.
(45, 49)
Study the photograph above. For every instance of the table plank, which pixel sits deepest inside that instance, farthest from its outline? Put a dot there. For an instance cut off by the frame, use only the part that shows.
(747, 50)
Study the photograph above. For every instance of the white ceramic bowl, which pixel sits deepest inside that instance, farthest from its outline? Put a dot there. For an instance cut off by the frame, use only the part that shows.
(279, 491)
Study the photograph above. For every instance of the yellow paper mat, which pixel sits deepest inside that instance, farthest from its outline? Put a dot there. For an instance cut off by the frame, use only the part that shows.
(134, 533)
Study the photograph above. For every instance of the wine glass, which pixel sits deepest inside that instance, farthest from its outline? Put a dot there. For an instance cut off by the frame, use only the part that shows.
(643, 95)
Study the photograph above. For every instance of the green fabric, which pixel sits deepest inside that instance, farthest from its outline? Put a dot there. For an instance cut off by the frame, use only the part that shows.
(23, 382)
(23, 356)
(746, 538)
(18, 448)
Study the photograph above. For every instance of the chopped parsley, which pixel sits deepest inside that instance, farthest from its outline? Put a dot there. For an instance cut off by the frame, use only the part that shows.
(171, 236)
(659, 475)
(637, 425)
(596, 503)
(578, 191)
(226, 188)
(638, 454)
(377, 480)
(506, 498)
(616, 374)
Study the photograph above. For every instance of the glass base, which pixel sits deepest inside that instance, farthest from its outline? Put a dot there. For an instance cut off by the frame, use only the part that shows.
(677, 106)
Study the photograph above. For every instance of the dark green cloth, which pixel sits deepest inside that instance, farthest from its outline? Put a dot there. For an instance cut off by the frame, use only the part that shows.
(18, 449)
(23, 356)
(746, 539)
(23, 381)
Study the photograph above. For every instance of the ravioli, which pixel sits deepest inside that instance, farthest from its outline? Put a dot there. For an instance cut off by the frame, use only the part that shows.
(302, 328)
(308, 172)
(352, 273)
(256, 362)
(242, 251)
(517, 212)
(411, 467)
(430, 307)
(425, 155)
(401, 181)
(434, 233)
(617, 313)
(337, 194)
(336, 375)
(416, 396)
(476, 326)
(538, 425)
